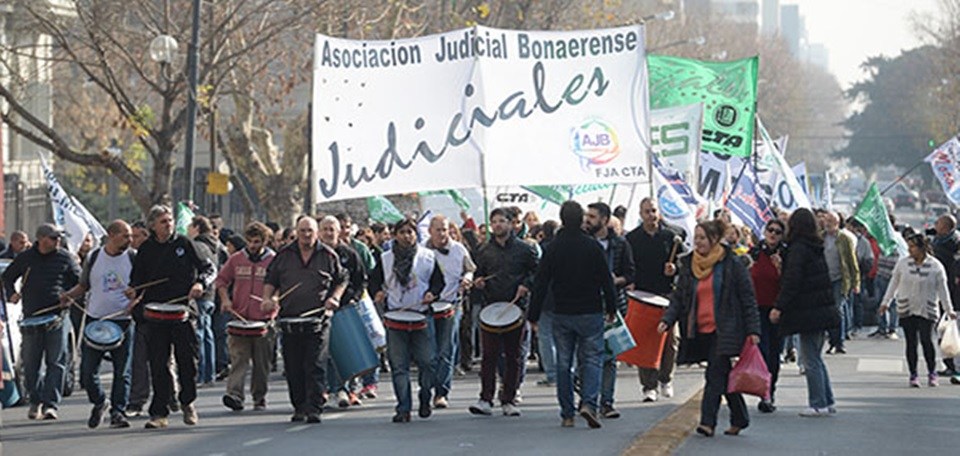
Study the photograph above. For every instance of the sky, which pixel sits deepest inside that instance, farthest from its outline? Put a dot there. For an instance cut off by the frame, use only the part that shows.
(853, 30)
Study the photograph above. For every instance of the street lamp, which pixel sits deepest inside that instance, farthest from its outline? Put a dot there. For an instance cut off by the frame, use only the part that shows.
(163, 50)
(661, 16)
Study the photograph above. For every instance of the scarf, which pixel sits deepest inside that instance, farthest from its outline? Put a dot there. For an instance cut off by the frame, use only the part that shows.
(403, 262)
(701, 266)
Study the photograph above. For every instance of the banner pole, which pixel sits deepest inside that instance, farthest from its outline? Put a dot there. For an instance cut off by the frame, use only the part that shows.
(902, 176)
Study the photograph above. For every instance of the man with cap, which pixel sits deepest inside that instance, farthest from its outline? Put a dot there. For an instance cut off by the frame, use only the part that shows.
(45, 271)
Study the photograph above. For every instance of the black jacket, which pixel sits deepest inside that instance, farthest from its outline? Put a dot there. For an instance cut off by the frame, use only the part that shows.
(650, 253)
(49, 275)
(806, 294)
(177, 260)
(575, 268)
(735, 310)
(513, 264)
(209, 249)
(620, 259)
(350, 260)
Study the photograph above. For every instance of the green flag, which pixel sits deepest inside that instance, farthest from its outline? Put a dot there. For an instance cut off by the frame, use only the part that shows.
(459, 199)
(183, 217)
(382, 210)
(873, 215)
(728, 91)
(555, 194)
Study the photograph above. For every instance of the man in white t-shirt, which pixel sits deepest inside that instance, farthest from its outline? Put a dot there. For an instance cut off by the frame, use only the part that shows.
(106, 274)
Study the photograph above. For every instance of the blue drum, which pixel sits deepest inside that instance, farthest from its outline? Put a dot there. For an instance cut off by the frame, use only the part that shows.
(40, 323)
(103, 335)
(350, 348)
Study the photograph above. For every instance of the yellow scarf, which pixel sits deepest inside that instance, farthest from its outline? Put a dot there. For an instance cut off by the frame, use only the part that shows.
(702, 266)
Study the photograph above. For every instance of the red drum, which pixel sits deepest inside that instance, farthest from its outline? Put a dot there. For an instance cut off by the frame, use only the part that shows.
(404, 320)
(248, 328)
(644, 312)
(443, 309)
(163, 312)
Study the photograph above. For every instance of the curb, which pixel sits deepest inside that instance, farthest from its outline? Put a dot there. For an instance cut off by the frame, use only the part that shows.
(669, 433)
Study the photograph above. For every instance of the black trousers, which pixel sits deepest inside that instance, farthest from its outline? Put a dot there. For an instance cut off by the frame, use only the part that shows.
(718, 370)
(305, 357)
(182, 337)
(771, 344)
(919, 329)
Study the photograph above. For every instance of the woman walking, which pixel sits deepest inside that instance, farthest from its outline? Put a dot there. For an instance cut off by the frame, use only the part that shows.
(919, 284)
(767, 258)
(805, 306)
(717, 311)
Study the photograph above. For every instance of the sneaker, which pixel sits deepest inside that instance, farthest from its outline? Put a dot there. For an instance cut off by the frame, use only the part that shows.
(839, 351)
(298, 417)
(832, 410)
(650, 395)
(607, 411)
(545, 382)
(190, 414)
(811, 412)
(134, 411)
(877, 333)
(343, 400)
(955, 380)
(232, 402)
(260, 406)
(893, 336)
(440, 402)
(34, 412)
(791, 355)
(313, 418)
(914, 381)
(566, 422)
(459, 372)
(156, 423)
(119, 421)
(510, 410)
(933, 380)
(223, 374)
(401, 417)
(354, 400)
(425, 411)
(369, 392)
(50, 414)
(590, 416)
(96, 415)
(666, 390)
(482, 407)
(766, 406)
(947, 372)
(518, 398)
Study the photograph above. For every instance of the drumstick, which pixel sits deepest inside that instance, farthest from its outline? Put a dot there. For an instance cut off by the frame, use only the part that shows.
(150, 284)
(289, 290)
(182, 298)
(23, 280)
(676, 245)
(239, 316)
(504, 309)
(256, 298)
(115, 314)
(46, 309)
(312, 312)
(484, 278)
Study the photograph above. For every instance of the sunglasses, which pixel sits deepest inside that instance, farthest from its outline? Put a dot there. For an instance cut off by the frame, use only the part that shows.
(774, 231)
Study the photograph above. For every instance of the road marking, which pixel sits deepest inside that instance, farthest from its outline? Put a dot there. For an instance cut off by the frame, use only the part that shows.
(256, 442)
(217, 454)
(299, 428)
(880, 365)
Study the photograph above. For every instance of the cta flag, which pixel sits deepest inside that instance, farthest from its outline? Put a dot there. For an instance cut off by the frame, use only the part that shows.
(728, 91)
(945, 162)
(873, 214)
(183, 216)
(69, 214)
(382, 210)
(748, 204)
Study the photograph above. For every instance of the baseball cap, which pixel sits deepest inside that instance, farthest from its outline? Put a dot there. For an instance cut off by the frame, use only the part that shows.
(48, 230)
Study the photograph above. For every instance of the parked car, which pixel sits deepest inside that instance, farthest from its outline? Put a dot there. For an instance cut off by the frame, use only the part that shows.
(906, 199)
(935, 197)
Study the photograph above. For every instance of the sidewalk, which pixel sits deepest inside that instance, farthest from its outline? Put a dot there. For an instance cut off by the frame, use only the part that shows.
(877, 412)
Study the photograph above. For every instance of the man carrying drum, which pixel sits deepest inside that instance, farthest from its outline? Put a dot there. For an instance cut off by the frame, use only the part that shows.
(457, 268)
(305, 281)
(167, 273)
(243, 273)
(45, 270)
(655, 247)
(505, 266)
(408, 279)
(331, 236)
(105, 275)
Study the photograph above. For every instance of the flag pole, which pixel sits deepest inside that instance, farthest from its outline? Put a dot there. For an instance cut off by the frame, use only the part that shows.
(904, 175)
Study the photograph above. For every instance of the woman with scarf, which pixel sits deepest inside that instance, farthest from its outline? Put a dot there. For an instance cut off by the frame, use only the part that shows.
(767, 258)
(715, 305)
(408, 279)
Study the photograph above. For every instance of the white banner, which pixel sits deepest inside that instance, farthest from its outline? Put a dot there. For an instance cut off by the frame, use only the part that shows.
(945, 162)
(675, 135)
(540, 108)
(69, 214)
(716, 172)
(776, 177)
(674, 209)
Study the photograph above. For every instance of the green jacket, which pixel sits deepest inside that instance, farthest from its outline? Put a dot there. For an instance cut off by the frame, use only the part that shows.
(847, 246)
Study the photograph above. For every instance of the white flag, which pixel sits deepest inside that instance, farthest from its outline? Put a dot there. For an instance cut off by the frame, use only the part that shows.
(69, 214)
(674, 209)
(675, 138)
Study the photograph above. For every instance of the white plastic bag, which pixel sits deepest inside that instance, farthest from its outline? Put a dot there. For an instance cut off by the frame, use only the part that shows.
(950, 338)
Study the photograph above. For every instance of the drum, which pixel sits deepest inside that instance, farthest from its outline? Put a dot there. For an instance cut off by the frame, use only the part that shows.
(443, 309)
(40, 323)
(644, 311)
(165, 313)
(247, 328)
(372, 323)
(350, 348)
(300, 325)
(501, 317)
(404, 320)
(103, 335)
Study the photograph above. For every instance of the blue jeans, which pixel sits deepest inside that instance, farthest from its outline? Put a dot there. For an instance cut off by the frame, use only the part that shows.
(207, 352)
(582, 334)
(608, 379)
(51, 348)
(548, 350)
(221, 346)
(819, 392)
(838, 333)
(446, 339)
(888, 320)
(401, 346)
(90, 372)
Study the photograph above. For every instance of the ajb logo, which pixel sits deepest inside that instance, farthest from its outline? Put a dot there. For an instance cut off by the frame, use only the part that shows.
(595, 143)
